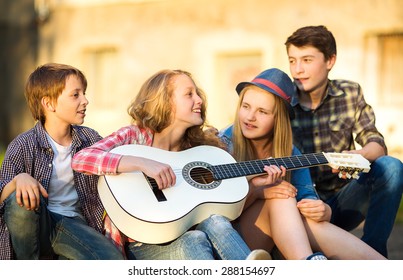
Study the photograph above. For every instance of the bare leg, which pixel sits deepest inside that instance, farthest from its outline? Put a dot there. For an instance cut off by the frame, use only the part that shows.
(278, 220)
(337, 243)
(253, 225)
(288, 229)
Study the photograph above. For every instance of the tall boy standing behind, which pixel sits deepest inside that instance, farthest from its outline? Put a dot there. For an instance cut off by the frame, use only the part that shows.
(328, 115)
(45, 207)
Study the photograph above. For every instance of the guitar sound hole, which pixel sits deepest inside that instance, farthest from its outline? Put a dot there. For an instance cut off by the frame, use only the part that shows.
(201, 175)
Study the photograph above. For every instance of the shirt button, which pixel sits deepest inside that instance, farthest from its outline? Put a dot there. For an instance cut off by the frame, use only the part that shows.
(50, 165)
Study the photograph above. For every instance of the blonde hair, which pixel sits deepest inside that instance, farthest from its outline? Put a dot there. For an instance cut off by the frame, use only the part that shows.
(281, 135)
(48, 80)
(153, 108)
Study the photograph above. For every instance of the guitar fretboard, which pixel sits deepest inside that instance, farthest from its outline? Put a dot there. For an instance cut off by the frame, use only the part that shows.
(233, 170)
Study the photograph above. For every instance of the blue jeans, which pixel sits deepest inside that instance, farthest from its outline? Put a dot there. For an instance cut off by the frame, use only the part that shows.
(226, 241)
(41, 233)
(375, 197)
(214, 238)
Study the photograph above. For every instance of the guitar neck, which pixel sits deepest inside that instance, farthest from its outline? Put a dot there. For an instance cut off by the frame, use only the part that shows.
(254, 167)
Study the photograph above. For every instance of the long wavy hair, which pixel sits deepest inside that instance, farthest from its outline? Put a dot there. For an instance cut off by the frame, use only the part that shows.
(281, 135)
(153, 108)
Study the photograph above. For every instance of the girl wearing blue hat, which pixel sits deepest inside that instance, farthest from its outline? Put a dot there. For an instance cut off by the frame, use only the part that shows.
(282, 208)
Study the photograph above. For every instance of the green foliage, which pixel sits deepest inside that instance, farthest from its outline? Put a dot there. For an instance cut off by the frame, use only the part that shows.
(1, 155)
(399, 217)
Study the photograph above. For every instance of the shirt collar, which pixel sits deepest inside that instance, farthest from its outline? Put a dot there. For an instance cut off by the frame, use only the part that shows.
(331, 90)
(41, 135)
(42, 139)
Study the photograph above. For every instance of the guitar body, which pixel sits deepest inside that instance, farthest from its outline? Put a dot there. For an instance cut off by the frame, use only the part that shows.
(141, 214)
(208, 181)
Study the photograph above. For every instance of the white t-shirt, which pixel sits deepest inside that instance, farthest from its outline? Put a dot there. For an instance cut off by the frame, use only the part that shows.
(63, 197)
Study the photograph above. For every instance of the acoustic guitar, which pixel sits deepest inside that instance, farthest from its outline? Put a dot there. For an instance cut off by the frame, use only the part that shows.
(208, 181)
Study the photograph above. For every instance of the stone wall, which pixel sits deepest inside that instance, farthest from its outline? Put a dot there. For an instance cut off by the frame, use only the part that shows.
(118, 44)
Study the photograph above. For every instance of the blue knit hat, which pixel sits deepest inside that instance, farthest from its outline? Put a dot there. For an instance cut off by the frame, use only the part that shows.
(275, 81)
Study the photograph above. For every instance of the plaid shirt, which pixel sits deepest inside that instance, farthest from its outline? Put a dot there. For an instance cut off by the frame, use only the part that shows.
(31, 153)
(342, 118)
(98, 160)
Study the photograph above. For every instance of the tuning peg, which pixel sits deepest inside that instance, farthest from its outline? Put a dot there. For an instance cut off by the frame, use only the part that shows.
(355, 175)
(349, 174)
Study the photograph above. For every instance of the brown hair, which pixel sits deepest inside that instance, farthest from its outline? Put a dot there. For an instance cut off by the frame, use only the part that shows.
(48, 80)
(316, 36)
(153, 108)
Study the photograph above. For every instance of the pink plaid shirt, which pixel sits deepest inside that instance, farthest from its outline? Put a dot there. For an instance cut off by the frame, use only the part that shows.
(97, 159)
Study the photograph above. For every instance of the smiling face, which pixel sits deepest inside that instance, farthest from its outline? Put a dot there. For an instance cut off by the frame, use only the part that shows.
(187, 102)
(71, 104)
(309, 68)
(256, 113)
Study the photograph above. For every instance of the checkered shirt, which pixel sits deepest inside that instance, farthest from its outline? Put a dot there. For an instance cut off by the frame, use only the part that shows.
(31, 153)
(98, 160)
(342, 118)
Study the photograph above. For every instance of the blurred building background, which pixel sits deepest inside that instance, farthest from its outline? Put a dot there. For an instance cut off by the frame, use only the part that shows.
(119, 44)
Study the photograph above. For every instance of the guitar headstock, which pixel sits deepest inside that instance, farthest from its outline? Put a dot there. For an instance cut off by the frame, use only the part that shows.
(350, 164)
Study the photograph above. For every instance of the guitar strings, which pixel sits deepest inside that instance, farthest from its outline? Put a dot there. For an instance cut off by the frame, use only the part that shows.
(198, 174)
